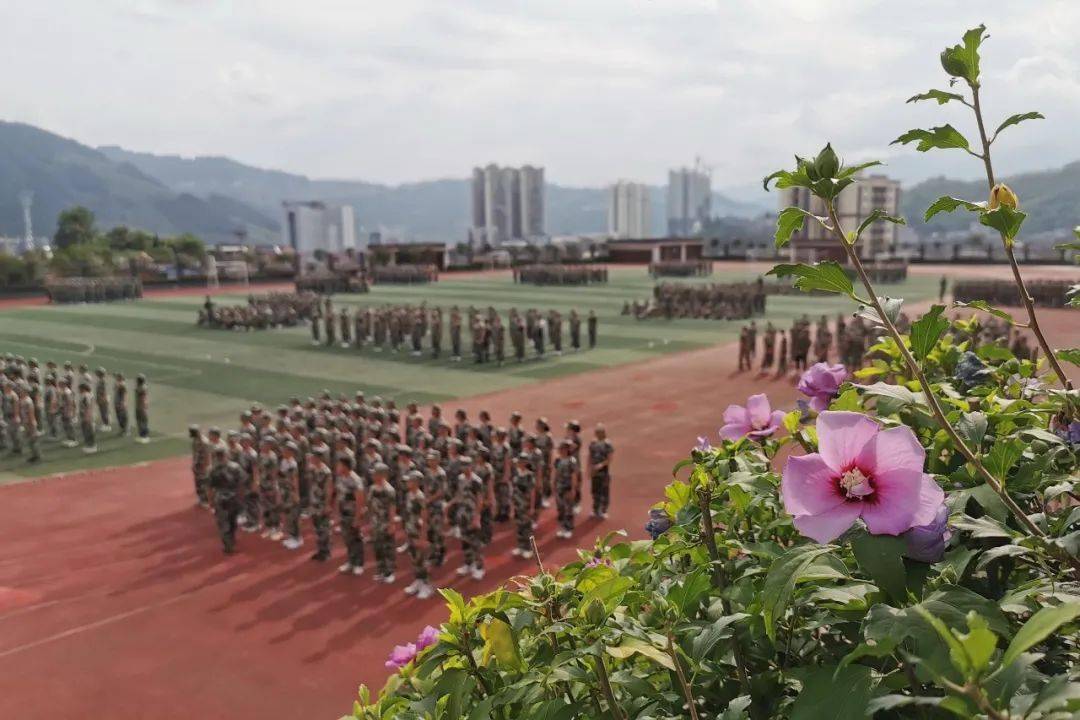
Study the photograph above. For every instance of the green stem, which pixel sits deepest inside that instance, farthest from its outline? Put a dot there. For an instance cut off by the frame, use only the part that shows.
(1021, 287)
(688, 695)
(605, 687)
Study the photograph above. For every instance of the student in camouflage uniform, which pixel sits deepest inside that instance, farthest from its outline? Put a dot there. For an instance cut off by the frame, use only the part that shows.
(380, 502)
(200, 465)
(415, 509)
(120, 403)
(52, 406)
(575, 331)
(455, 334)
(86, 418)
(225, 477)
(68, 411)
(483, 470)
(268, 489)
(566, 470)
(11, 416)
(600, 453)
(350, 499)
(573, 436)
(101, 397)
(592, 322)
(524, 483)
(501, 463)
(29, 421)
(321, 481)
(248, 459)
(289, 494)
(469, 506)
(546, 446)
(435, 487)
(142, 409)
(315, 318)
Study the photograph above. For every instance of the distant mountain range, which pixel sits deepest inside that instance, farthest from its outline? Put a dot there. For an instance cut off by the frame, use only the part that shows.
(215, 197)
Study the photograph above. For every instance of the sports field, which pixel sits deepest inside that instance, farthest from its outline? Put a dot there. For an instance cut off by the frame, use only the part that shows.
(208, 376)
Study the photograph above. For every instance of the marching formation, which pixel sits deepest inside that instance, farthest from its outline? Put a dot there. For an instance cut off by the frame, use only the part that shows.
(807, 343)
(401, 482)
(712, 301)
(102, 289)
(405, 274)
(46, 401)
(393, 328)
(560, 274)
(276, 309)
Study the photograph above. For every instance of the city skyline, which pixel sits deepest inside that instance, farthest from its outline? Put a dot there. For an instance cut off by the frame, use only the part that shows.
(414, 91)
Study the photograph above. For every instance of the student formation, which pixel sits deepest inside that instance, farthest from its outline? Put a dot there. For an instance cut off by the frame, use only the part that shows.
(68, 405)
(401, 482)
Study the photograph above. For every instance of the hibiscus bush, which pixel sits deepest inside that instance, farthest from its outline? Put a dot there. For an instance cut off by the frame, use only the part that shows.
(904, 543)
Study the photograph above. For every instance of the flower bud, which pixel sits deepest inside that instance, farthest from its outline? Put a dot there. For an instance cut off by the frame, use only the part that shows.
(1003, 195)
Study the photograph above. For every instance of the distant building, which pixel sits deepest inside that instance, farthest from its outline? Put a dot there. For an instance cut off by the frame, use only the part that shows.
(628, 210)
(689, 201)
(853, 206)
(507, 204)
(312, 226)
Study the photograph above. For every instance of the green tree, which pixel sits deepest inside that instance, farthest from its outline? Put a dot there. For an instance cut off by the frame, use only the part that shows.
(74, 226)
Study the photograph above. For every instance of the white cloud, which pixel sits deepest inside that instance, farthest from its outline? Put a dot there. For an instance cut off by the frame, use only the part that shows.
(593, 89)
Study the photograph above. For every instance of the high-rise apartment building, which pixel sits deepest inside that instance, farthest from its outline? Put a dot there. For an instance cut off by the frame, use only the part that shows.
(689, 201)
(507, 204)
(311, 225)
(628, 210)
(853, 205)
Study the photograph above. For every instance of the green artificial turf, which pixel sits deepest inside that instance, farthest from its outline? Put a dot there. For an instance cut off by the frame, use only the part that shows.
(208, 376)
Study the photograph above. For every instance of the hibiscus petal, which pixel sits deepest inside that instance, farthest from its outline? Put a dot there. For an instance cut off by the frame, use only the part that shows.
(808, 485)
(759, 409)
(776, 420)
(842, 436)
(736, 415)
(734, 431)
(931, 497)
(892, 449)
(895, 502)
(829, 525)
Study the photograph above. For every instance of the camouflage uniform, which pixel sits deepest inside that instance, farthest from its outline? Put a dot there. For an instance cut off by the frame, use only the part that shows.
(120, 404)
(471, 489)
(142, 409)
(200, 465)
(500, 455)
(348, 487)
(600, 451)
(415, 503)
(321, 478)
(28, 419)
(288, 477)
(101, 397)
(524, 483)
(381, 500)
(86, 419)
(225, 479)
(435, 487)
(565, 471)
(268, 490)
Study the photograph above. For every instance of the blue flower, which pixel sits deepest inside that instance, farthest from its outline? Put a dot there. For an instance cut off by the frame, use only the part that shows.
(971, 370)
(659, 523)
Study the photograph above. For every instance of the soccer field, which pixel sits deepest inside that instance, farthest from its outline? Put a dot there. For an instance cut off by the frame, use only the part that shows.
(208, 376)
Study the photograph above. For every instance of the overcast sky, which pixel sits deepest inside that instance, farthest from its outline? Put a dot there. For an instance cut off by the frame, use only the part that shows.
(594, 90)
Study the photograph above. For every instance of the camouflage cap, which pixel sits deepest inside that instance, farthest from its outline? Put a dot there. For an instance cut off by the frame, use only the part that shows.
(380, 469)
(433, 455)
(414, 476)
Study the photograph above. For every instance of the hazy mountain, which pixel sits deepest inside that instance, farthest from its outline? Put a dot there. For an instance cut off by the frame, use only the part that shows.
(61, 173)
(429, 210)
(1051, 198)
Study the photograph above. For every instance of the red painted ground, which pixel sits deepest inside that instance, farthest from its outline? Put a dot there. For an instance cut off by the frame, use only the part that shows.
(115, 601)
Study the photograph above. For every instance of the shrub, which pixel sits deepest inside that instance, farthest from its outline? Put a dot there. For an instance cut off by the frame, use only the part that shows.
(904, 545)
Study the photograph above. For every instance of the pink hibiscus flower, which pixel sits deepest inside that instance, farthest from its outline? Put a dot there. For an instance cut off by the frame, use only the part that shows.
(757, 420)
(401, 656)
(820, 383)
(428, 637)
(859, 471)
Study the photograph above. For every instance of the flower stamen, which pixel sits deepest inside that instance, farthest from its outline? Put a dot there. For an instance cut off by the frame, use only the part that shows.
(855, 484)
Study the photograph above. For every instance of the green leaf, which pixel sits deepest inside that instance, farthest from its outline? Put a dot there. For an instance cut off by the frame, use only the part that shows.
(1005, 453)
(962, 61)
(1039, 627)
(1069, 245)
(832, 693)
(686, 594)
(851, 171)
(827, 276)
(500, 643)
(780, 581)
(1005, 220)
(987, 308)
(704, 641)
(789, 221)
(630, 646)
(944, 137)
(927, 330)
(882, 558)
(972, 429)
(941, 96)
(946, 203)
(1017, 119)
(875, 215)
(957, 654)
(1069, 355)
(979, 642)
